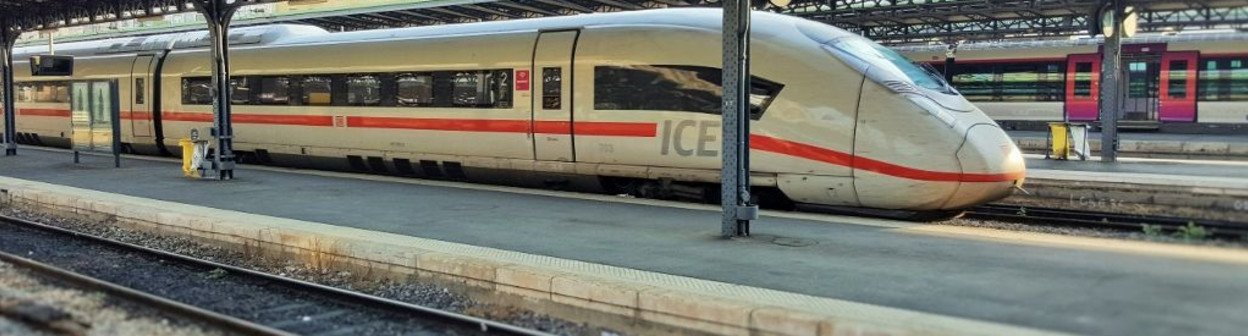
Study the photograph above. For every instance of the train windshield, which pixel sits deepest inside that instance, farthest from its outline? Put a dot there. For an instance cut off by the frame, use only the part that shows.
(877, 55)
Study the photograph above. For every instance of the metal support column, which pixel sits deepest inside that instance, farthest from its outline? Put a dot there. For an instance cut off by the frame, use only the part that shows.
(735, 178)
(1111, 85)
(218, 14)
(8, 37)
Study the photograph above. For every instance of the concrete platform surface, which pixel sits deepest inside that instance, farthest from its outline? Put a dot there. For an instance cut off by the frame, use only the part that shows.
(1194, 173)
(1153, 145)
(1148, 136)
(1095, 287)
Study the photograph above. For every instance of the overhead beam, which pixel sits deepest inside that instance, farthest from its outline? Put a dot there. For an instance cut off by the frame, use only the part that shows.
(489, 10)
(526, 8)
(620, 4)
(567, 5)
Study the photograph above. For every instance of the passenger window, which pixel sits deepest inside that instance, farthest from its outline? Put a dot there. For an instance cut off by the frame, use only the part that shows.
(1178, 80)
(240, 91)
(25, 92)
(138, 91)
(975, 82)
(552, 87)
(197, 91)
(62, 92)
(481, 88)
(274, 91)
(414, 89)
(1083, 79)
(316, 91)
(672, 88)
(363, 90)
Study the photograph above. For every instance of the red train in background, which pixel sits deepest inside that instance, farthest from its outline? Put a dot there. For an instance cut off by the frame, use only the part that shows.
(1194, 82)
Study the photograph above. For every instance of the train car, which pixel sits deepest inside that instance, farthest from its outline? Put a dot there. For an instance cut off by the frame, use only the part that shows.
(1184, 82)
(622, 102)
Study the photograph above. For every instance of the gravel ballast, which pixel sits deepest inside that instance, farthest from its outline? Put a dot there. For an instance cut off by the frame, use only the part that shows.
(81, 312)
(415, 293)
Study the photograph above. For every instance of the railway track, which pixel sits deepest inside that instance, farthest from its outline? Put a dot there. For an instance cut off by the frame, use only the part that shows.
(279, 305)
(1102, 220)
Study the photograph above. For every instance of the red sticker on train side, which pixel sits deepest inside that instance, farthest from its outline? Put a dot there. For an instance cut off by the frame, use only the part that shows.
(522, 80)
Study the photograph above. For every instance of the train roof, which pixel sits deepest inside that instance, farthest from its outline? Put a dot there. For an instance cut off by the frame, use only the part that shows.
(291, 34)
(1085, 41)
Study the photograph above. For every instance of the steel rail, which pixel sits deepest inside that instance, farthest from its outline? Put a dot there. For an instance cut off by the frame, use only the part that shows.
(337, 293)
(191, 312)
(1100, 220)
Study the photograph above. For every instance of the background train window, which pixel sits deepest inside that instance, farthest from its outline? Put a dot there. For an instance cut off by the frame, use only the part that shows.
(41, 92)
(414, 89)
(1223, 79)
(1142, 78)
(240, 91)
(316, 90)
(1031, 81)
(24, 92)
(672, 88)
(975, 82)
(197, 91)
(273, 91)
(552, 88)
(139, 91)
(1083, 79)
(1177, 80)
(363, 90)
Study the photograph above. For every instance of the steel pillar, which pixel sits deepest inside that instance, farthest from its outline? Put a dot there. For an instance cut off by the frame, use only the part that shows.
(735, 178)
(8, 37)
(1112, 92)
(218, 14)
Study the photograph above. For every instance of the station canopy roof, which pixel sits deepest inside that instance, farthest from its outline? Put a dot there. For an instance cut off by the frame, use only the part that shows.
(889, 21)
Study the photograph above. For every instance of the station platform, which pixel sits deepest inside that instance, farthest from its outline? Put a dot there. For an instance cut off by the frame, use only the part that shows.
(1153, 144)
(1204, 189)
(1029, 280)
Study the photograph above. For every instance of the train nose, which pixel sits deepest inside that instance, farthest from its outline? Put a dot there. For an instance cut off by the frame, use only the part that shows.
(992, 167)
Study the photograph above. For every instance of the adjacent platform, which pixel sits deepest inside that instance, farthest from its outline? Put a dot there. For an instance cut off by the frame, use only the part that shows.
(1068, 284)
(1215, 190)
(1154, 145)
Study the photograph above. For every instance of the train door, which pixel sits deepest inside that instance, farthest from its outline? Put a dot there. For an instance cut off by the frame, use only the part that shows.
(1083, 86)
(1178, 86)
(1143, 77)
(552, 116)
(140, 111)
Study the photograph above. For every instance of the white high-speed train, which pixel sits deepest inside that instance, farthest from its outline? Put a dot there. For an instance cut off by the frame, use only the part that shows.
(627, 102)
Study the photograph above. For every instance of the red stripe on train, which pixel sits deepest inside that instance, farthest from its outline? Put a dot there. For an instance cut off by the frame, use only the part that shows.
(267, 119)
(785, 147)
(44, 112)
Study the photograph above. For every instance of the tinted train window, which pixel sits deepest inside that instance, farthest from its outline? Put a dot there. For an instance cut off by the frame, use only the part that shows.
(1032, 81)
(1083, 79)
(672, 88)
(240, 91)
(414, 89)
(138, 91)
(316, 90)
(975, 82)
(552, 88)
(1223, 79)
(1177, 80)
(197, 91)
(363, 90)
(273, 91)
(40, 92)
(481, 88)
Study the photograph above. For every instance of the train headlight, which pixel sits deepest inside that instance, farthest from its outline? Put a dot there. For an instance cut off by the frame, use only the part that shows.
(933, 108)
